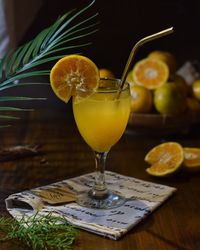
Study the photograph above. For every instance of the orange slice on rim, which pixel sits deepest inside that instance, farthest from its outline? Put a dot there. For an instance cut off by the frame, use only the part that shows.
(74, 75)
(150, 73)
(165, 159)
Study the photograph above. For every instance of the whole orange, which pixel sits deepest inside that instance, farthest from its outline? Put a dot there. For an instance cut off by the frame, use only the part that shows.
(180, 83)
(106, 73)
(168, 99)
(141, 99)
(193, 104)
(196, 89)
(129, 78)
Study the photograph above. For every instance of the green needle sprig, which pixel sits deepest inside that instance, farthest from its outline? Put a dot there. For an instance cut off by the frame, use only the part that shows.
(39, 232)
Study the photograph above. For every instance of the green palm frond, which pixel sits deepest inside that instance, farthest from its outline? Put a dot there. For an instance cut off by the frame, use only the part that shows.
(52, 43)
(9, 117)
(11, 109)
(5, 126)
(46, 47)
(15, 98)
(19, 98)
(14, 109)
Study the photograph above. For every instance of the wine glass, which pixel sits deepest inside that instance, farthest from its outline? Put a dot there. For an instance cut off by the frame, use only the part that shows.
(101, 119)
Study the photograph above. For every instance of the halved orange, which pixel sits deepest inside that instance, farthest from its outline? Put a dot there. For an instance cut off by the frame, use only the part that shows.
(166, 57)
(150, 73)
(74, 75)
(191, 158)
(165, 159)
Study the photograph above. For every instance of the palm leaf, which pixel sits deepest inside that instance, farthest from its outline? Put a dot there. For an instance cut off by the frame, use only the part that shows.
(19, 98)
(74, 29)
(9, 117)
(5, 126)
(54, 42)
(54, 28)
(62, 27)
(23, 51)
(14, 109)
(32, 54)
(1, 66)
(13, 57)
(11, 81)
(68, 47)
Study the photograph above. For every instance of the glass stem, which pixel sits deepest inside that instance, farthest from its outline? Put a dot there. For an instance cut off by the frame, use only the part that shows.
(99, 190)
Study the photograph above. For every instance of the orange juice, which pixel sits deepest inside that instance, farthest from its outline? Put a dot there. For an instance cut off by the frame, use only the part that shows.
(102, 117)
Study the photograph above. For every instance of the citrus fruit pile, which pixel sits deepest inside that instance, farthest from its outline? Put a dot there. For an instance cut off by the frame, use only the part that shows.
(156, 88)
(74, 75)
(106, 73)
(167, 158)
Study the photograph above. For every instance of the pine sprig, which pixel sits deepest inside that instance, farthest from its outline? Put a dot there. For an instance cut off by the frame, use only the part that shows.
(39, 232)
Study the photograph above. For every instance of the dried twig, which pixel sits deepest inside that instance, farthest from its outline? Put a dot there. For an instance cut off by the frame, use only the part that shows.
(17, 152)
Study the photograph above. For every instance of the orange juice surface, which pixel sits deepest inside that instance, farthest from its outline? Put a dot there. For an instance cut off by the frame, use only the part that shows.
(102, 118)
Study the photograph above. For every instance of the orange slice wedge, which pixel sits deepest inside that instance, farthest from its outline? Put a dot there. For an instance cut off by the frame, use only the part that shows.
(74, 75)
(191, 158)
(150, 73)
(164, 159)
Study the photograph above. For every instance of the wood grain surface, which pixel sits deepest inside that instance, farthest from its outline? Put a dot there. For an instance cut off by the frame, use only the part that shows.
(174, 225)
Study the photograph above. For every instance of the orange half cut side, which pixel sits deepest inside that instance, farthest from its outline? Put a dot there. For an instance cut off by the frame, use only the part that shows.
(74, 75)
(150, 73)
(191, 158)
(164, 159)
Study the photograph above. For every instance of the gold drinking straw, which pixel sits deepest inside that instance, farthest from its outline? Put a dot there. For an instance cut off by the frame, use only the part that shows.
(135, 49)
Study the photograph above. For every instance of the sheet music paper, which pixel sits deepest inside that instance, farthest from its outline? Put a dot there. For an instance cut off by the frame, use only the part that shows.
(142, 198)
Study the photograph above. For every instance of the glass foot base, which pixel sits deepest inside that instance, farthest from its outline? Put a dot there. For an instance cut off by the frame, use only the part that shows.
(112, 200)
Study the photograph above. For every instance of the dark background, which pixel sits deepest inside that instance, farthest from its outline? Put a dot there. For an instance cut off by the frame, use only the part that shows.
(124, 22)
(121, 24)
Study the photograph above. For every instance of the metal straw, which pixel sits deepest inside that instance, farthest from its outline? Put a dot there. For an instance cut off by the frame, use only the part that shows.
(135, 49)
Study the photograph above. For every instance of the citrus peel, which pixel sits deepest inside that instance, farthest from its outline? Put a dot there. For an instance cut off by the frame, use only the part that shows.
(166, 57)
(141, 99)
(106, 73)
(165, 159)
(191, 158)
(150, 73)
(74, 75)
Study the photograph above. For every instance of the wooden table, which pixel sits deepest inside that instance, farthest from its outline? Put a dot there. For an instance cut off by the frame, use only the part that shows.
(174, 225)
